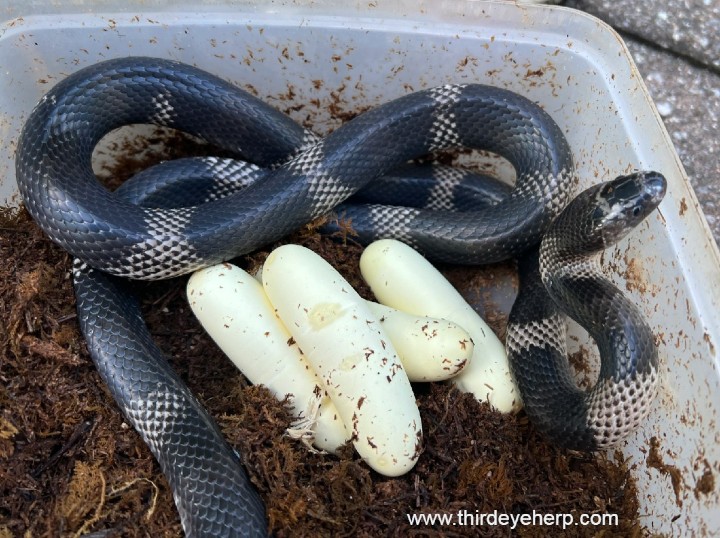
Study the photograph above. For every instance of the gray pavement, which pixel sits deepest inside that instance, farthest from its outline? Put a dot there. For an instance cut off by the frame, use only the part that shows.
(687, 27)
(676, 46)
(688, 99)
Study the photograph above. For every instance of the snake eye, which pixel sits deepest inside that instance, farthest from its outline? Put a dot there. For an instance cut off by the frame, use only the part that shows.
(636, 211)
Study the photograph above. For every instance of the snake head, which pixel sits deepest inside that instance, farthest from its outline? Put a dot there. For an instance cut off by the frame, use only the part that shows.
(621, 204)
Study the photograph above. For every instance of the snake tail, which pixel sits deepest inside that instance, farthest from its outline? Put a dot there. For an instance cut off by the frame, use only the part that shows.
(210, 487)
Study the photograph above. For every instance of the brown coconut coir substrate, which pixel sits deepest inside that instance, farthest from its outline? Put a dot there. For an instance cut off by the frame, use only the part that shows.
(70, 465)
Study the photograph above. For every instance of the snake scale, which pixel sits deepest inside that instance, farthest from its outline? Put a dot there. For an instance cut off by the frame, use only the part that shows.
(160, 232)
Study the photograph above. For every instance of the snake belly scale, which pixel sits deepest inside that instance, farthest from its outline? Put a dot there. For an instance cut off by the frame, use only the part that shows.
(112, 233)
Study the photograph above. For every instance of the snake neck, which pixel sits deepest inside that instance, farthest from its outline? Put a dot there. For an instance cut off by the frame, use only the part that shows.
(536, 347)
(578, 287)
(575, 236)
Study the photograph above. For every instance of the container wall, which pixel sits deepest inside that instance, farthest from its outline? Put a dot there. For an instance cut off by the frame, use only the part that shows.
(329, 60)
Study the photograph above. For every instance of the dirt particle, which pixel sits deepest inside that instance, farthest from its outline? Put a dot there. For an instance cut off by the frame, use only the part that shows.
(580, 362)
(683, 206)
(654, 460)
(705, 485)
(709, 342)
(634, 275)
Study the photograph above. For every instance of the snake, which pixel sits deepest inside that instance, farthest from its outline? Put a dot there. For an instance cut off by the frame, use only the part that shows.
(293, 177)
(562, 276)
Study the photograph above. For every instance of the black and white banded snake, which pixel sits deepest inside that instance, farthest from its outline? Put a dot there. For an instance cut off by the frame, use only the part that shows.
(308, 178)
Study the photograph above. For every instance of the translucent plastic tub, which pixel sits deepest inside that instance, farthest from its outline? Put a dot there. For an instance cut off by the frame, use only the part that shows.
(336, 56)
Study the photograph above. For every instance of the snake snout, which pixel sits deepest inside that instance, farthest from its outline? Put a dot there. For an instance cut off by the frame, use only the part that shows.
(638, 191)
(627, 201)
(655, 187)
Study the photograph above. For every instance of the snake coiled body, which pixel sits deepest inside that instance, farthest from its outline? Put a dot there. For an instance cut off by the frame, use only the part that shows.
(123, 239)
(149, 235)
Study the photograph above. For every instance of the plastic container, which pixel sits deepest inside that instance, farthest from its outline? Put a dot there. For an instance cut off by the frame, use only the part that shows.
(343, 57)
